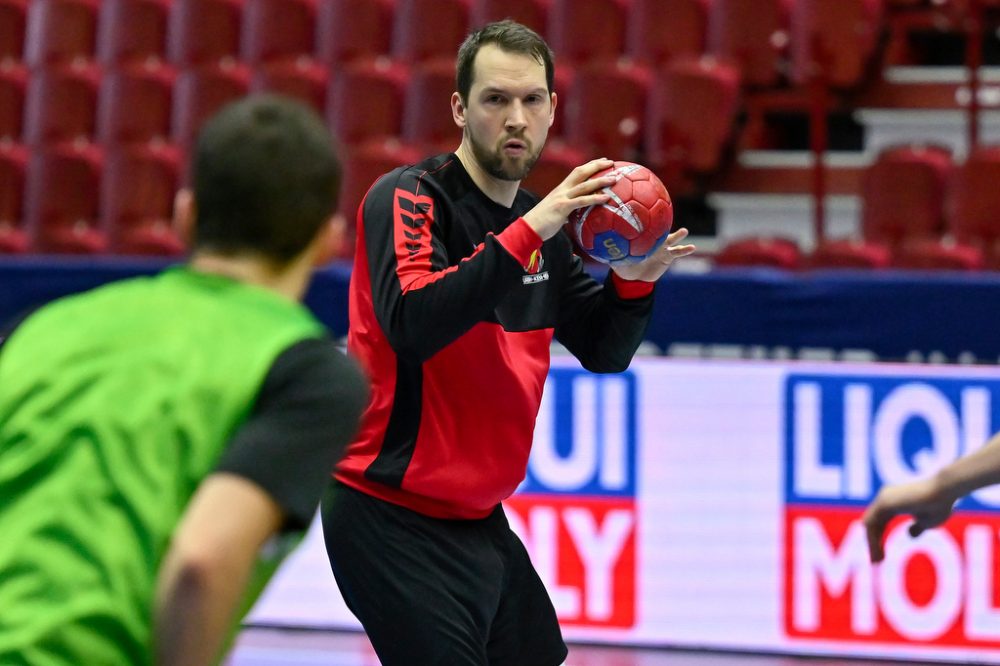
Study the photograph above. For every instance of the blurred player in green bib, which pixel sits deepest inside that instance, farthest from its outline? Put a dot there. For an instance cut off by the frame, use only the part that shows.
(161, 437)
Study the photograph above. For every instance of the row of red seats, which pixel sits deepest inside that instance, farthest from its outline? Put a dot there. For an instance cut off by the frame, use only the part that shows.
(920, 211)
(757, 34)
(681, 114)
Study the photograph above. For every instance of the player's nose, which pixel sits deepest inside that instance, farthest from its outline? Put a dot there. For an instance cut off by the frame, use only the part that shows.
(516, 117)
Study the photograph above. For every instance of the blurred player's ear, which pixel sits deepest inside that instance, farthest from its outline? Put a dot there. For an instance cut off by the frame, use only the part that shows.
(184, 216)
(552, 109)
(458, 109)
(330, 241)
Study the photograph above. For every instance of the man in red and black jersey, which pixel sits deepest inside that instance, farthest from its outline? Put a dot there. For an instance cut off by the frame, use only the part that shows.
(461, 281)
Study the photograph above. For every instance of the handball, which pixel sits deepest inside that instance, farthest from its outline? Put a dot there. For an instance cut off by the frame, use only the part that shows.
(633, 224)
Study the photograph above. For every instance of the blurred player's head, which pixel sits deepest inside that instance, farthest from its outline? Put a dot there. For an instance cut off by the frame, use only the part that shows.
(266, 180)
(505, 103)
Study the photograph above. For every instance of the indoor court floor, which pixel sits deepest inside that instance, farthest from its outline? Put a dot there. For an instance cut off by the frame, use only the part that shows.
(282, 647)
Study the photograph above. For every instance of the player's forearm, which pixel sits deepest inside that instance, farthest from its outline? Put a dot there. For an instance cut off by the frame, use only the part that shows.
(196, 606)
(971, 472)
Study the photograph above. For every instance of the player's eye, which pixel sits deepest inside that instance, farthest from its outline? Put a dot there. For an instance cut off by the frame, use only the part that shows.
(494, 99)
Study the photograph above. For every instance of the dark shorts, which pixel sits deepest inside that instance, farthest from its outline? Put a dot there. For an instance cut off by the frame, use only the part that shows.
(431, 591)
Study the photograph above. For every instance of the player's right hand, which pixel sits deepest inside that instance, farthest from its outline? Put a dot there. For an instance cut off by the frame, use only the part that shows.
(921, 499)
(577, 191)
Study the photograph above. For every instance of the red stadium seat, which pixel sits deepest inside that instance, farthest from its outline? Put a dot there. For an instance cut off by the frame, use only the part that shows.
(135, 103)
(972, 202)
(68, 223)
(60, 31)
(583, 31)
(12, 22)
(278, 30)
(61, 103)
(351, 29)
(563, 78)
(903, 205)
(605, 108)
(204, 31)
(849, 253)
(752, 33)
(425, 29)
(132, 31)
(13, 83)
(303, 79)
(771, 252)
(661, 30)
(427, 119)
(933, 254)
(199, 93)
(363, 165)
(13, 163)
(836, 38)
(366, 100)
(903, 194)
(137, 197)
(690, 115)
(532, 13)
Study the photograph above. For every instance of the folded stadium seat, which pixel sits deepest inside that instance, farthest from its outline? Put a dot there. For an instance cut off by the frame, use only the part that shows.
(972, 202)
(426, 121)
(902, 195)
(690, 116)
(771, 252)
(350, 29)
(60, 31)
(67, 223)
(849, 253)
(592, 30)
(12, 21)
(365, 99)
(137, 197)
(203, 31)
(61, 103)
(658, 31)
(13, 163)
(552, 167)
(278, 30)
(303, 79)
(13, 83)
(132, 31)
(363, 165)
(425, 29)
(753, 34)
(199, 93)
(562, 82)
(933, 254)
(532, 13)
(836, 38)
(135, 102)
(604, 109)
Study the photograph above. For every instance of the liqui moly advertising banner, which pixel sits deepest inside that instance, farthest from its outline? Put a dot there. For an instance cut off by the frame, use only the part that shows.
(716, 504)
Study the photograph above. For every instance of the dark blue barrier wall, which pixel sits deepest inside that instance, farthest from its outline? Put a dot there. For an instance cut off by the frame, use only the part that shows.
(889, 313)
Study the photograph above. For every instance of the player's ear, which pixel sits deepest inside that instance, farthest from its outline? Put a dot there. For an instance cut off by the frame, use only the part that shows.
(185, 214)
(458, 110)
(552, 109)
(330, 241)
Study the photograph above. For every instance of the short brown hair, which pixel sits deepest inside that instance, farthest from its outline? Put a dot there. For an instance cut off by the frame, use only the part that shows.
(266, 179)
(509, 36)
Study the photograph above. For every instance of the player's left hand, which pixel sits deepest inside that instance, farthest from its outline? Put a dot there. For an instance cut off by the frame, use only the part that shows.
(923, 499)
(655, 265)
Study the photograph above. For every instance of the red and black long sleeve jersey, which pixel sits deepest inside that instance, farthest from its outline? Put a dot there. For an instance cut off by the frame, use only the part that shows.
(454, 301)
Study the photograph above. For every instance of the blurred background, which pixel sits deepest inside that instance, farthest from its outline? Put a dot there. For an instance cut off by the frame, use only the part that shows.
(838, 162)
